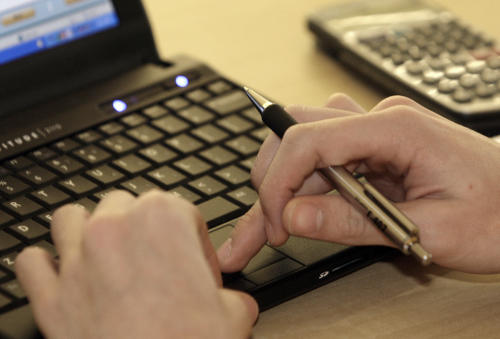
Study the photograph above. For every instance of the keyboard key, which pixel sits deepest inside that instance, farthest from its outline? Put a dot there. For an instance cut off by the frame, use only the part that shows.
(253, 114)
(274, 271)
(77, 185)
(4, 172)
(89, 137)
(133, 120)
(145, 134)
(196, 115)
(47, 246)
(65, 165)
(12, 186)
(217, 209)
(14, 289)
(8, 261)
(220, 235)
(5, 218)
(184, 193)
(207, 185)
(18, 163)
(50, 196)
(219, 155)
(102, 194)
(233, 175)
(243, 145)
(248, 163)
(86, 204)
(43, 154)
(22, 207)
(166, 176)
(66, 145)
(92, 154)
(261, 133)
(111, 128)
(37, 175)
(138, 185)
(4, 301)
(104, 175)
(235, 124)
(44, 218)
(265, 257)
(244, 195)
(29, 230)
(119, 144)
(170, 124)
(176, 103)
(228, 103)
(219, 87)
(8, 242)
(155, 111)
(131, 164)
(192, 165)
(198, 95)
(18, 323)
(308, 251)
(184, 143)
(210, 133)
(158, 154)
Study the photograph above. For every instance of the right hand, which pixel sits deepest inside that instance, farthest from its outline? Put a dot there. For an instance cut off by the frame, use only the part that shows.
(444, 177)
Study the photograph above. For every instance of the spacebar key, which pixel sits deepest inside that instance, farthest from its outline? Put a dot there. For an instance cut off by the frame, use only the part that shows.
(217, 210)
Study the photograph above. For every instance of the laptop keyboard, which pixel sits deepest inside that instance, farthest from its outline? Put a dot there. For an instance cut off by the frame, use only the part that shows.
(200, 146)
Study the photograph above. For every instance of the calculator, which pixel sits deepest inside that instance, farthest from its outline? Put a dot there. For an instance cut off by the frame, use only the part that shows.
(420, 50)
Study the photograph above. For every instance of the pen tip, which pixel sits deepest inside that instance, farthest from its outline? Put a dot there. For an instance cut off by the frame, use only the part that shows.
(260, 102)
(421, 254)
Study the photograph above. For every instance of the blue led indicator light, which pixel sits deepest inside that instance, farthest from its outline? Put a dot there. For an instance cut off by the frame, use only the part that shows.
(119, 106)
(181, 81)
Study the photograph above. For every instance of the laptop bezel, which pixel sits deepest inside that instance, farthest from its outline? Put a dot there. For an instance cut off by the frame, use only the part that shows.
(37, 76)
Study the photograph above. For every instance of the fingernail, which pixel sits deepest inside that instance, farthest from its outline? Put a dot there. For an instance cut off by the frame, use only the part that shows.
(224, 251)
(269, 232)
(303, 218)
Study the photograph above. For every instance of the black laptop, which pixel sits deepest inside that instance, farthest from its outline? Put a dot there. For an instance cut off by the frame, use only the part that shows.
(87, 107)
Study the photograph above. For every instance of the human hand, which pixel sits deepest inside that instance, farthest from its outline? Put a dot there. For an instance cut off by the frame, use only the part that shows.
(136, 268)
(443, 176)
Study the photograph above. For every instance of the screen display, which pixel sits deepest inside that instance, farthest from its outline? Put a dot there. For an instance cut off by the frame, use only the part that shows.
(31, 26)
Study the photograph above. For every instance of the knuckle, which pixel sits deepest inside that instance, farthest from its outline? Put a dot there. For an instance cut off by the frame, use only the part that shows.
(396, 100)
(338, 99)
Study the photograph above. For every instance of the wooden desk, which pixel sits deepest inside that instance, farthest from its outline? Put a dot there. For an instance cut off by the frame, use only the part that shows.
(265, 44)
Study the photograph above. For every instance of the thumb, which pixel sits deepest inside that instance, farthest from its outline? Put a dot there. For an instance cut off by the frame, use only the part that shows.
(330, 218)
(242, 308)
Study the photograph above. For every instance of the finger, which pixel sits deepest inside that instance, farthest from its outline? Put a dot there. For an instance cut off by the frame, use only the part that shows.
(36, 272)
(242, 308)
(174, 212)
(246, 240)
(399, 100)
(301, 114)
(377, 139)
(118, 201)
(67, 227)
(344, 102)
(330, 218)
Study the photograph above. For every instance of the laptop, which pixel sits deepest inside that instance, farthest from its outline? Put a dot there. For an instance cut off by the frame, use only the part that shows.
(87, 107)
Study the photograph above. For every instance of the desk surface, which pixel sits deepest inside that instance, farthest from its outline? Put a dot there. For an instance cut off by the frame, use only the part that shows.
(389, 299)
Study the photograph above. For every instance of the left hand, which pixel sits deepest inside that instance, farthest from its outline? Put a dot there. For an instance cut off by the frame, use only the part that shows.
(136, 268)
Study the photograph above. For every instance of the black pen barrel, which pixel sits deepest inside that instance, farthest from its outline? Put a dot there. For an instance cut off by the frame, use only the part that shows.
(277, 119)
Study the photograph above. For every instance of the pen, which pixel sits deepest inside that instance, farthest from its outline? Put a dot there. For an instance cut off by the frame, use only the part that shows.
(384, 214)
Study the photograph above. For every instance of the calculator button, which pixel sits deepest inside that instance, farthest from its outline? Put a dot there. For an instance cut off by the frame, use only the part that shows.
(462, 95)
(416, 53)
(398, 58)
(493, 62)
(490, 75)
(439, 64)
(454, 72)
(447, 85)
(475, 66)
(486, 90)
(432, 77)
(469, 80)
(415, 68)
(460, 58)
(434, 49)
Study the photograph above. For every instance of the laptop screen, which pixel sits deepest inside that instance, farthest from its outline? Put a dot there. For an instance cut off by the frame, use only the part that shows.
(31, 26)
